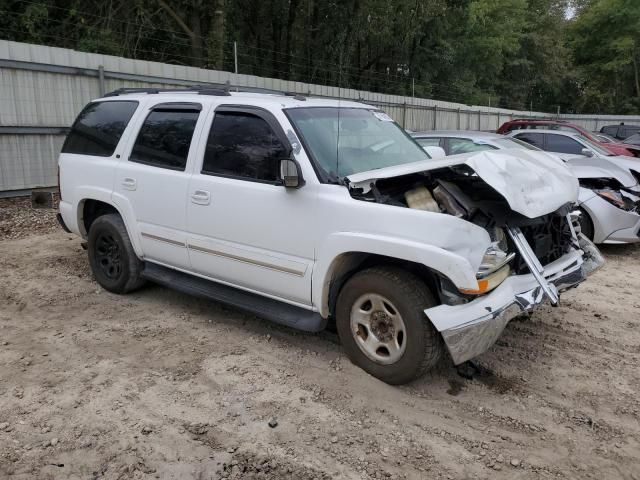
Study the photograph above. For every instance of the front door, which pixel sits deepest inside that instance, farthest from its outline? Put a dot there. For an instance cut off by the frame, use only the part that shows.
(245, 228)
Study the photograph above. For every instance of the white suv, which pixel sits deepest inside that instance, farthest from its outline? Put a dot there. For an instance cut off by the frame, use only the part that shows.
(303, 210)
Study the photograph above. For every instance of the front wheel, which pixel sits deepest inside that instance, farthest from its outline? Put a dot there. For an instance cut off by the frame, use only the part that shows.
(382, 326)
(586, 224)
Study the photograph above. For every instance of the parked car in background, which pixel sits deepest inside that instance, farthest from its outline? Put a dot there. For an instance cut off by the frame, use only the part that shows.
(302, 210)
(528, 124)
(604, 138)
(454, 142)
(609, 195)
(633, 140)
(621, 131)
(568, 144)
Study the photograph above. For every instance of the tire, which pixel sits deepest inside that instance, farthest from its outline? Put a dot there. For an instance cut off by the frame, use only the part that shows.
(113, 261)
(586, 224)
(367, 312)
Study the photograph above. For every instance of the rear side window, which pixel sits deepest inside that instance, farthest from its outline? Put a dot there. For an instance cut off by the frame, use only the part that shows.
(428, 142)
(98, 128)
(562, 144)
(535, 139)
(243, 145)
(165, 138)
(464, 145)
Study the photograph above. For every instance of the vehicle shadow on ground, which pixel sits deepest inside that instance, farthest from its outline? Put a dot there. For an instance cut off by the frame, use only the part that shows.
(445, 378)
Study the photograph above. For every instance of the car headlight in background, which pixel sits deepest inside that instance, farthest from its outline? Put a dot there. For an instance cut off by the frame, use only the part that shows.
(618, 198)
(494, 268)
(613, 192)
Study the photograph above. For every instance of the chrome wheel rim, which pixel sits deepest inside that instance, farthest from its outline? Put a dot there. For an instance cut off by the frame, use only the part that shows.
(378, 329)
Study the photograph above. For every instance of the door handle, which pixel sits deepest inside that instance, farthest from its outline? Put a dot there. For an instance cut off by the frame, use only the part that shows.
(201, 197)
(129, 183)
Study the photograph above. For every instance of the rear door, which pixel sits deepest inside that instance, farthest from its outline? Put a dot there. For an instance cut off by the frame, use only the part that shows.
(151, 182)
(562, 144)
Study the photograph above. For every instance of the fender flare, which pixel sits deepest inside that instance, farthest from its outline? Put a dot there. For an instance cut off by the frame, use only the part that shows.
(451, 265)
(103, 195)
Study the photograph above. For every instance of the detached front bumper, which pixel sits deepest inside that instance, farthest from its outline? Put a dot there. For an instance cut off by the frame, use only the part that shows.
(472, 328)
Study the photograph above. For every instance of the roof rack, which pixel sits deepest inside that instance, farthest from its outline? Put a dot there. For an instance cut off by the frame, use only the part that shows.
(216, 90)
(199, 89)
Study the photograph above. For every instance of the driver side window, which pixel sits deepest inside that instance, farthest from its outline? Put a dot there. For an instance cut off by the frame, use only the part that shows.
(243, 145)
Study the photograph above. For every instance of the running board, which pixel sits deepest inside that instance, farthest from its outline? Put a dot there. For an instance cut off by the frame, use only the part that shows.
(273, 310)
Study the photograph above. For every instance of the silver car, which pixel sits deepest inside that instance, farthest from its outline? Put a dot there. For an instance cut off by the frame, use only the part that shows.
(609, 199)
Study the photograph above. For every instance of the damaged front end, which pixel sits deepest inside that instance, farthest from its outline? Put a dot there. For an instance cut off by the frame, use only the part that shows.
(535, 253)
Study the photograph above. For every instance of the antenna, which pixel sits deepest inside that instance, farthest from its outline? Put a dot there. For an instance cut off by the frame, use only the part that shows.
(339, 100)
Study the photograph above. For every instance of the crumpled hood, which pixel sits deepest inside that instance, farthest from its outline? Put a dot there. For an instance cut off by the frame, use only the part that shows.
(533, 183)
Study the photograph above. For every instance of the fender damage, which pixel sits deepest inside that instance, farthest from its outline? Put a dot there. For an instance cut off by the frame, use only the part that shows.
(527, 196)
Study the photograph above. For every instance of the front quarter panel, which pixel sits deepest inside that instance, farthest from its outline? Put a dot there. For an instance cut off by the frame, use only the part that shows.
(445, 244)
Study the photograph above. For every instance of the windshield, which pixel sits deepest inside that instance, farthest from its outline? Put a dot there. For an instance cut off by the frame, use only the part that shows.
(513, 143)
(344, 141)
(594, 146)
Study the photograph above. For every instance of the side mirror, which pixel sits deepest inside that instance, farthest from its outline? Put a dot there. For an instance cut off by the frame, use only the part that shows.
(587, 152)
(435, 152)
(290, 173)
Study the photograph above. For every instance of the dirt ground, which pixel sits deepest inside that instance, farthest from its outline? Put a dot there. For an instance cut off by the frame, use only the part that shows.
(157, 384)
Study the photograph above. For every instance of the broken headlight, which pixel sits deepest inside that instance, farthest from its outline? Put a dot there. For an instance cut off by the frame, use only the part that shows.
(618, 198)
(613, 192)
(494, 268)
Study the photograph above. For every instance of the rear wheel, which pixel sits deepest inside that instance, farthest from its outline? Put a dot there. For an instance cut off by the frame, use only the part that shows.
(381, 323)
(111, 256)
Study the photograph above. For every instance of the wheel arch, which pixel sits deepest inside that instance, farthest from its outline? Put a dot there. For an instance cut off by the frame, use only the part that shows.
(344, 251)
(347, 264)
(89, 209)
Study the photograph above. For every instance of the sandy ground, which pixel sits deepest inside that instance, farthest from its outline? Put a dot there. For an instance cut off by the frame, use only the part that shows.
(160, 385)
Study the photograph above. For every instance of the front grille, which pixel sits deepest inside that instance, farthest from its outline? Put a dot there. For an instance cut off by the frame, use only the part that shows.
(549, 240)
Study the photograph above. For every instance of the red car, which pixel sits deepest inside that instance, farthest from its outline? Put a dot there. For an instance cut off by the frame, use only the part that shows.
(524, 123)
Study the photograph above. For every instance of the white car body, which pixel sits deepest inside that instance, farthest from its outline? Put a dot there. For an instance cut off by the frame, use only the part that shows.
(610, 223)
(291, 245)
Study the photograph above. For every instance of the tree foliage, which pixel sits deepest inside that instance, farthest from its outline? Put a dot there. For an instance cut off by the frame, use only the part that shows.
(517, 54)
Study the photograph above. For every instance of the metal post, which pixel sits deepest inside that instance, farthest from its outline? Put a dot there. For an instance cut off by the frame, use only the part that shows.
(235, 56)
(458, 118)
(404, 115)
(413, 87)
(479, 119)
(101, 86)
(558, 112)
(435, 117)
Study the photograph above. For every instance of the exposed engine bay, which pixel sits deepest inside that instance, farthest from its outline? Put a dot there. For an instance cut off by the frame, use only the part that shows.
(458, 191)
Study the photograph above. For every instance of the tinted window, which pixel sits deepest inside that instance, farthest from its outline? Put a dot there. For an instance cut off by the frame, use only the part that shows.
(535, 139)
(561, 144)
(610, 130)
(243, 145)
(98, 128)
(628, 131)
(164, 138)
(465, 145)
(428, 142)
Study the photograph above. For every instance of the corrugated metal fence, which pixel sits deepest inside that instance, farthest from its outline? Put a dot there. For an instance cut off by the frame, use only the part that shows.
(42, 89)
